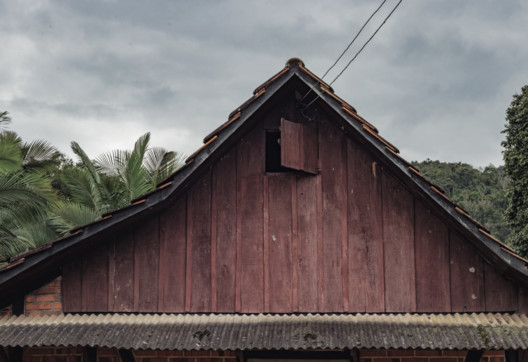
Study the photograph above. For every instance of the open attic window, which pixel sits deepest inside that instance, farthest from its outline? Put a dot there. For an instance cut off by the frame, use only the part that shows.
(293, 147)
(273, 152)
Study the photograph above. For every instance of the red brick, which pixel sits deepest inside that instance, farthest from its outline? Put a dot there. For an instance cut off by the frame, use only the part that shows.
(106, 359)
(38, 306)
(197, 353)
(454, 353)
(496, 359)
(144, 353)
(107, 352)
(229, 353)
(414, 359)
(69, 350)
(57, 306)
(401, 353)
(444, 359)
(48, 298)
(55, 359)
(373, 353)
(386, 360)
(173, 353)
(74, 359)
(428, 353)
(30, 299)
(499, 353)
(47, 290)
(39, 351)
(32, 358)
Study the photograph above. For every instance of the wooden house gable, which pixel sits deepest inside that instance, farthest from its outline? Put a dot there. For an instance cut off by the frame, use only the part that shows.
(296, 213)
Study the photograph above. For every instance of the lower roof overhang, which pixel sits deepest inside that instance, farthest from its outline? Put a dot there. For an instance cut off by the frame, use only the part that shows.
(268, 332)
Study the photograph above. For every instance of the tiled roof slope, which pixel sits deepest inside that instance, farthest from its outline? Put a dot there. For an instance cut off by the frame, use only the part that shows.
(267, 331)
(49, 256)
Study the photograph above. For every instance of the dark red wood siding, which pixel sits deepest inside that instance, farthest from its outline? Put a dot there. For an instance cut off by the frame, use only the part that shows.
(352, 238)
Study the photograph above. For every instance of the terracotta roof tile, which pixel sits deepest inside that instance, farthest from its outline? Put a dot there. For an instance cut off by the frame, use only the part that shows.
(381, 139)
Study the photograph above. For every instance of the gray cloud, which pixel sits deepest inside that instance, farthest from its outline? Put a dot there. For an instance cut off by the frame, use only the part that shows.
(436, 80)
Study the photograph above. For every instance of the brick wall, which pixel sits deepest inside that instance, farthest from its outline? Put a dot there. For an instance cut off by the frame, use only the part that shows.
(46, 300)
(380, 355)
(112, 355)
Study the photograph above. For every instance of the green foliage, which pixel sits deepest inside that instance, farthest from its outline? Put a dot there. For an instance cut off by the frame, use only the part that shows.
(25, 193)
(481, 192)
(43, 194)
(516, 167)
(115, 178)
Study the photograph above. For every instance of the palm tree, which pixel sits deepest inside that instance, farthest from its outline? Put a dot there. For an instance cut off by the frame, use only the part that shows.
(115, 178)
(24, 196)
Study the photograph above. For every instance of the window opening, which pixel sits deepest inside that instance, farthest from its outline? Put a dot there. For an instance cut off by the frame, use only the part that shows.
(273, 152)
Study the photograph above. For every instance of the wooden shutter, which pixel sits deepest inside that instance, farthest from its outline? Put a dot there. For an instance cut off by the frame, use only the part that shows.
(298, 147)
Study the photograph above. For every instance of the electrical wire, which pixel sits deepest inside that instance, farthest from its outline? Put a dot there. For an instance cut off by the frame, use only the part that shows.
(346, 49)
(353, 40)
(356, 55)
(368, 41)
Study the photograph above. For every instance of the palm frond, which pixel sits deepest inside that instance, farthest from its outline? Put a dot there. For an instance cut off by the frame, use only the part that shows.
(39, 154)
(85, 161)
(10, 154)
(134, 175)
(112, 163)
(66, 215)
(83, 188)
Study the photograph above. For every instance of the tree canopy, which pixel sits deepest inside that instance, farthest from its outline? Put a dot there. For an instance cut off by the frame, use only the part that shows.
(516, 167)
(481, 192)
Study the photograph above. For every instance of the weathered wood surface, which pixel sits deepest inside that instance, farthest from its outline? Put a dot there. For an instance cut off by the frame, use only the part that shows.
(350, 239)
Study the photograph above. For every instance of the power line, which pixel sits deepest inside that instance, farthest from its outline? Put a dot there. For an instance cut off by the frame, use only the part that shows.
(353, 40)
(359, 51)
(368, 41)
(346, 49)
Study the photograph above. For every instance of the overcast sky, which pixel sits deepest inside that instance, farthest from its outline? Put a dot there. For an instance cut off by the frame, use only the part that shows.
(436, 80)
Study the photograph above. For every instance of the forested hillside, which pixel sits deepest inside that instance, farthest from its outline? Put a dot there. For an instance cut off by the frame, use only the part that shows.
(481, 192)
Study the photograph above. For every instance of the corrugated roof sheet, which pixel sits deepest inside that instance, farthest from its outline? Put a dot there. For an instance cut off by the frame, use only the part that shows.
(243, 332)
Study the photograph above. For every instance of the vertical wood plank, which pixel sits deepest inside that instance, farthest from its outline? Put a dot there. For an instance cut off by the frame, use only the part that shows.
(365, 238)
(295, 245)
(522, 300)
(280, 242)
(307, 245)
(123, 260)
(266, 246)
(111, 275)
(432, 262)
(173, 243)
(290, 146)
(199, 238)
(146, 264)
(398, 245)
(72, 287)
(214, 225)
(466, 276)
(333, 177)
(501, 293)
(309, 149)
(225, 194)
(95, 280)
(250, 170)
